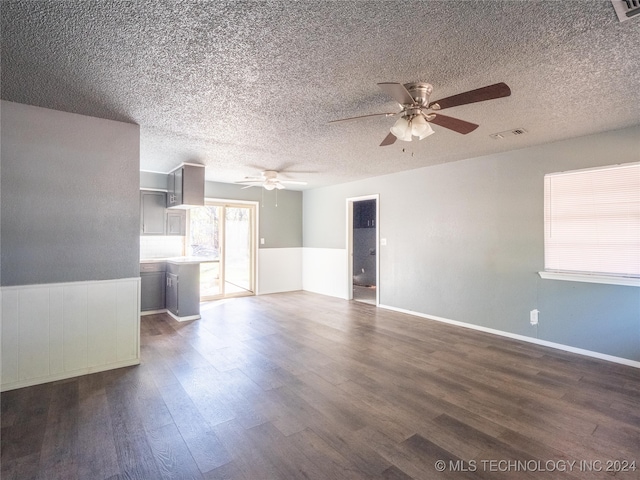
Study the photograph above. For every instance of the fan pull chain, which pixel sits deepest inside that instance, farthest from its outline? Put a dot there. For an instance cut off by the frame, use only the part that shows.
(276, 197)
(262, 192)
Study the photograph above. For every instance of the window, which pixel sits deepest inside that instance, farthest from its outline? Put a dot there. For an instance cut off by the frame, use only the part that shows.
(592, 225)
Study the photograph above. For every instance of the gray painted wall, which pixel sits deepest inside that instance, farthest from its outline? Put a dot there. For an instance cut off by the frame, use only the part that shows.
(70, 197)
(280, 226)
(465, 242)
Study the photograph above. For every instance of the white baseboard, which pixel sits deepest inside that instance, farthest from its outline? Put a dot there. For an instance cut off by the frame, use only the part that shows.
(60, 330)
(537, 341)
(153, 312)
(63, 376)
(182, 319)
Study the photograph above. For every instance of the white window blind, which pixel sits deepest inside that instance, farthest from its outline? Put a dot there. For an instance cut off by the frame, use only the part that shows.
(592, 221)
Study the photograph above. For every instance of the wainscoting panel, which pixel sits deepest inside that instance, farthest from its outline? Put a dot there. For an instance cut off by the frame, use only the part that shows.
(279, 270)
(324, 271)
(56, 331)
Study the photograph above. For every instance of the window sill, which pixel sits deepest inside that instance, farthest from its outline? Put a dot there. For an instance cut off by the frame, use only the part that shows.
(583, 277)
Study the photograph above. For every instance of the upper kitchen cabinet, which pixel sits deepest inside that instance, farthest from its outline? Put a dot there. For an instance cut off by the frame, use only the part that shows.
(364, 214)
(176, 222)
(152, 208)
(185, 187)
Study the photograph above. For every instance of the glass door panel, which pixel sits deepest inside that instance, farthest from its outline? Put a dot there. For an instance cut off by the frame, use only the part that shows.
(205, 227)
(223, 233)
(238, 250)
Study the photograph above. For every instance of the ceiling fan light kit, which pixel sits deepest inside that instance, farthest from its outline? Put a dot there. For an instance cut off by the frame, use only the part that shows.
(412, 126)
(415, 119)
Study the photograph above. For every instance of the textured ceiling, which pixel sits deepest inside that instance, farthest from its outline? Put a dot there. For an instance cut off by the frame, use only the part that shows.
(247, 86)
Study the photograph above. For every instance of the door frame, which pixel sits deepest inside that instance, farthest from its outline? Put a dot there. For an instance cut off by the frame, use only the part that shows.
(349, 206)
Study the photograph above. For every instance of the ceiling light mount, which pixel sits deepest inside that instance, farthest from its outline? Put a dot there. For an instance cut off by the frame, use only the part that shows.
(420, 92)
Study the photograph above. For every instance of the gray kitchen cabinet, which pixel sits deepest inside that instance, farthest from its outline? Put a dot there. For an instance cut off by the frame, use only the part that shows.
(176, 222)
(185, 186)
(171, 299)
(152, 286)
(183, 289)
(152, 216)
(364, 214)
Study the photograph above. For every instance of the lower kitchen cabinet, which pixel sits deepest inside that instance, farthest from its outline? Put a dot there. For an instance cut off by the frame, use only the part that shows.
(172, 293)
(152, 286)
(183, 290)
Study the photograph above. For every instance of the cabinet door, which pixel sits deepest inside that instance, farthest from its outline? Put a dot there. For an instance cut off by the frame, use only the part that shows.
(370, 213)
(172, 293)
(176, 222)
(152, 205)
(152, 291)
(364, 214)
(177, 189)
(193, 185)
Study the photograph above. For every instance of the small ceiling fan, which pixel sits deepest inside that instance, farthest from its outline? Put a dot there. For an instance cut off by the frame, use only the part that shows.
(417, 112)
(268, 180)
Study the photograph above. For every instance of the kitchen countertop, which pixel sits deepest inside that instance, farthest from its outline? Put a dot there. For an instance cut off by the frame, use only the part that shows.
(181, 260)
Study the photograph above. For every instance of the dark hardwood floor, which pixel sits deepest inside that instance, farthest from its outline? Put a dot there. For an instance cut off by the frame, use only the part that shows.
(302, 386)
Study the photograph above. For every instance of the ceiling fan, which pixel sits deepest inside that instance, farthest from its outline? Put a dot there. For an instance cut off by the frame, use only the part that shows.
(417, 112)
(268, 180)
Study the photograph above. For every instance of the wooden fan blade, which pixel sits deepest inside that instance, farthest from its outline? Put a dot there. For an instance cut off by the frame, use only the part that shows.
(248, 186)
(397, 92)
(388, 140)
(454, 124)
(497, 90)
(363, 116)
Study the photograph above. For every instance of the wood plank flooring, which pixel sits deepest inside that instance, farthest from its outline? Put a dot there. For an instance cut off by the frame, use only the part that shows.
(302, 386)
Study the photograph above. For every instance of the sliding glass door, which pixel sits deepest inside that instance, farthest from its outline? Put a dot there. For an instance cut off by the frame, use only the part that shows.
(224, 233)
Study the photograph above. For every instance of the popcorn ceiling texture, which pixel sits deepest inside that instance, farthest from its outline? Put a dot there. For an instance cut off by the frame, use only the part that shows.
(247, 86)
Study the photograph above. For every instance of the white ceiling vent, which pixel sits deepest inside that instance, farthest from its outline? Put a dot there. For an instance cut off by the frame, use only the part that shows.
(508, 133)
(626, 9)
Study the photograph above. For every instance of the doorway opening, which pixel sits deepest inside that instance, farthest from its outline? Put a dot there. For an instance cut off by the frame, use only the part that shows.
(363, 249)
(224, 233)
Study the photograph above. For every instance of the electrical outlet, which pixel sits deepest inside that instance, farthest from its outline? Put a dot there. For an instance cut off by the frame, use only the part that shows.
(533, 317)
(262, 241)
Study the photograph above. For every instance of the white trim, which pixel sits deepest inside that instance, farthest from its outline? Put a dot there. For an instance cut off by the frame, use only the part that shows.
(515, 336)
(146, 189)
(175, 168)
(349, 243)
(152, 312)
(63, 376)
(183, 319)
(185, 164)
(589, 278)
(589, 169)
(68, 284)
